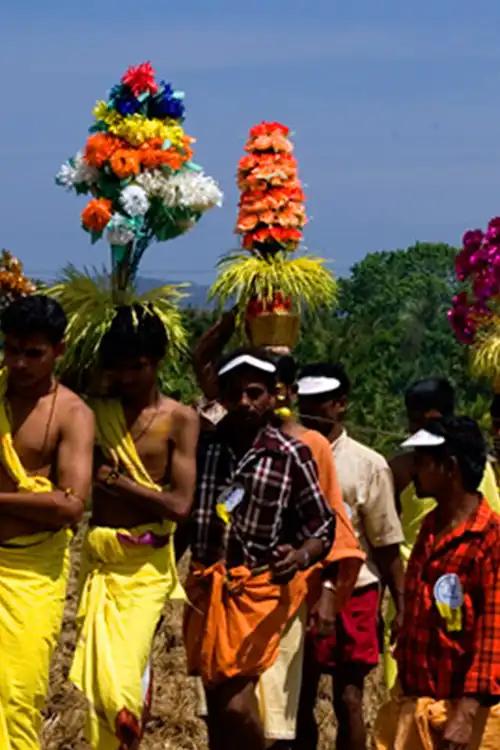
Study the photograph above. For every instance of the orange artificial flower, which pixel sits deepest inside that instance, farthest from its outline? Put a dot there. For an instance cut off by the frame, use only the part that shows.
(96, 214)
(125, 162)
(99, 148)
(246, 222)
(266, 128)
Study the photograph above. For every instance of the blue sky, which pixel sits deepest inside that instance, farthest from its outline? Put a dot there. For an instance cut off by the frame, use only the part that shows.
(395, 108)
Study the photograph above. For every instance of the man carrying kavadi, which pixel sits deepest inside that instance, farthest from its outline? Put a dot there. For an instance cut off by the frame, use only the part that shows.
(46, 444)
(144, 483)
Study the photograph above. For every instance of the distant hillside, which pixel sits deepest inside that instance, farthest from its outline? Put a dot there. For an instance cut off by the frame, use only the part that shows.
(196, 293)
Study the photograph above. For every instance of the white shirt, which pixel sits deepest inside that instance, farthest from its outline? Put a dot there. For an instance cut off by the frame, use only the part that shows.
(368, 491)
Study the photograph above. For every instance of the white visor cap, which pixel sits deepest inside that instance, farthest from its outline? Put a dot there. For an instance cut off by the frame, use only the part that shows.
(315, 386)
(247, 360)
(424, 439)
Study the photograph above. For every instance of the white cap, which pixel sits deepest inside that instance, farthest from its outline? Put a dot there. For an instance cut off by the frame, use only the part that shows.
(424, 439)
(314, 386)
(250, 361)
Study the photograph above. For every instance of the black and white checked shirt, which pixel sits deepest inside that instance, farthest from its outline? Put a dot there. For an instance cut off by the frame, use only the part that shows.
(282, 502)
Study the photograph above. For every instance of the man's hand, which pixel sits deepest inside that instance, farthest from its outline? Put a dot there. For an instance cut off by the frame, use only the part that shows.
(285, 563)
(323, 613)
(458, 731)
(103, 473)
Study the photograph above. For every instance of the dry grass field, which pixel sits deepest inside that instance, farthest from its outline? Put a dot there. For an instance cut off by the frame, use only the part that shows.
(173, 724)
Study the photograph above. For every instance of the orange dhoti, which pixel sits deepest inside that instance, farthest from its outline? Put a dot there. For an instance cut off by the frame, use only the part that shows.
(234, 620)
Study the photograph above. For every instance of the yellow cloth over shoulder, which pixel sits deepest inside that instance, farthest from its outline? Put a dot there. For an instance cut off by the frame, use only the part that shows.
(33, 578)
(126, 577)
(413, 512)
(418, 724)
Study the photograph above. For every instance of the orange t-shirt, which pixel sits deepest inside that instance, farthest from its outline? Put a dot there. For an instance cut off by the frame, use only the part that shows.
(345, 550)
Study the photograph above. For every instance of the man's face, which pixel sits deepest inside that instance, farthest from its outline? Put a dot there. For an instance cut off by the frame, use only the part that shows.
(133, 377)
(431, 476)
(30, 359)
(320, 413)
(247, 398)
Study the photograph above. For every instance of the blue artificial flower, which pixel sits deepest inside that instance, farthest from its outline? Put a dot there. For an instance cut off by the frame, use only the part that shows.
(123, 100)
(166, 103)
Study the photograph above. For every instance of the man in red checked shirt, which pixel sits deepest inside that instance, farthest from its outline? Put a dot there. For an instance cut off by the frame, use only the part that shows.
(448, 651)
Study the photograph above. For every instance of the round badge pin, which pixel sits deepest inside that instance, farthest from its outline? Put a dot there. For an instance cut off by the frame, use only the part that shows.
(448, 590)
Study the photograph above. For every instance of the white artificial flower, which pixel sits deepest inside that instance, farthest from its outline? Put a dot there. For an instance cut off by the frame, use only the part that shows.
(134, 200)
(66, 176)
(84, 173)
(119, 230)
(193, 190)
(152, 182)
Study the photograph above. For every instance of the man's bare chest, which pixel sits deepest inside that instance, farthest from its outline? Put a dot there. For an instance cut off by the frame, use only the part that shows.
(35, 433)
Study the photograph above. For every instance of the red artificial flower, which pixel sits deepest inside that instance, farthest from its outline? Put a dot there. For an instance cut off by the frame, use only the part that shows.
(141, 79)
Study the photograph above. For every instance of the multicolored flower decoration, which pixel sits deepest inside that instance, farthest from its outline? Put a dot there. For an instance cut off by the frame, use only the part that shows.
(475, 313)
(13, 282)
(268, 283)
(137, 166)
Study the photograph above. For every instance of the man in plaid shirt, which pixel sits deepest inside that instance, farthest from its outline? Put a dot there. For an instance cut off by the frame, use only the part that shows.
(259, 517)
(448, 651)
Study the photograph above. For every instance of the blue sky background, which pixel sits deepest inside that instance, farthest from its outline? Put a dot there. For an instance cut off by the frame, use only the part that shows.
(395, 107)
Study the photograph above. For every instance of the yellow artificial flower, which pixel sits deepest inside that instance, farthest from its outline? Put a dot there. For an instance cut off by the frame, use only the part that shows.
(136, 129)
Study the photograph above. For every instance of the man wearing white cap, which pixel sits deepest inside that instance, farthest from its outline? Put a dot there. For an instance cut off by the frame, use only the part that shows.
(448, 649)
(366, 482)
(258, 518)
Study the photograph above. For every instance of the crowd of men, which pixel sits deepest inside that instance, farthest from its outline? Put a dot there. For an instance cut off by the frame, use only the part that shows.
(297, 533)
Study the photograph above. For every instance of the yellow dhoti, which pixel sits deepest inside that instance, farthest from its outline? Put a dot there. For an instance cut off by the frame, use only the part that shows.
(33, 577)
(418, 724)
(34, 573)
(127, 575)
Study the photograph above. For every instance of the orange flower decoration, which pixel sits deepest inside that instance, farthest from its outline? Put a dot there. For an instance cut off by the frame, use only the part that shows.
(125, 162)
(272, 209)
(96, 214)
(99, 149)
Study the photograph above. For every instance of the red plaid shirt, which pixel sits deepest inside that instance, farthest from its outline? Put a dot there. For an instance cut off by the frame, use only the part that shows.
(433, 661)
(282, 501)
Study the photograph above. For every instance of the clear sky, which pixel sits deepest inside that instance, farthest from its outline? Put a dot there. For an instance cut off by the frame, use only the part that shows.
(395, 107)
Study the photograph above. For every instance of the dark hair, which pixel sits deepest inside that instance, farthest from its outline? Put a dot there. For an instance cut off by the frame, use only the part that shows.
(431, 393)
(35, 313)
(286, 369)
(495, 406)
(269, 378)
(465, 442)
(326, 370)
(134, 332)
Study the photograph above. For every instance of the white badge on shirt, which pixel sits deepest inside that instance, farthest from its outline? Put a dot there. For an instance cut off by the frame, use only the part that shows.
(448, 590)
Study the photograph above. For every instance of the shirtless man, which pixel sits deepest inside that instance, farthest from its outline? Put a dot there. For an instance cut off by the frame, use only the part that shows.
(47, 436)
(144, 484)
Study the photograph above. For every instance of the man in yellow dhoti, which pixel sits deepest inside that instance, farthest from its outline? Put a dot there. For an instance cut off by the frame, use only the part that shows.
(46, 443)
(147, 441)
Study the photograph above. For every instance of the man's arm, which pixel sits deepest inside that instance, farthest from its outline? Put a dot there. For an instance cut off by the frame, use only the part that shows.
(208, 350)
(64, 505)
(316, 521)
(175, 503)
(385, 534)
